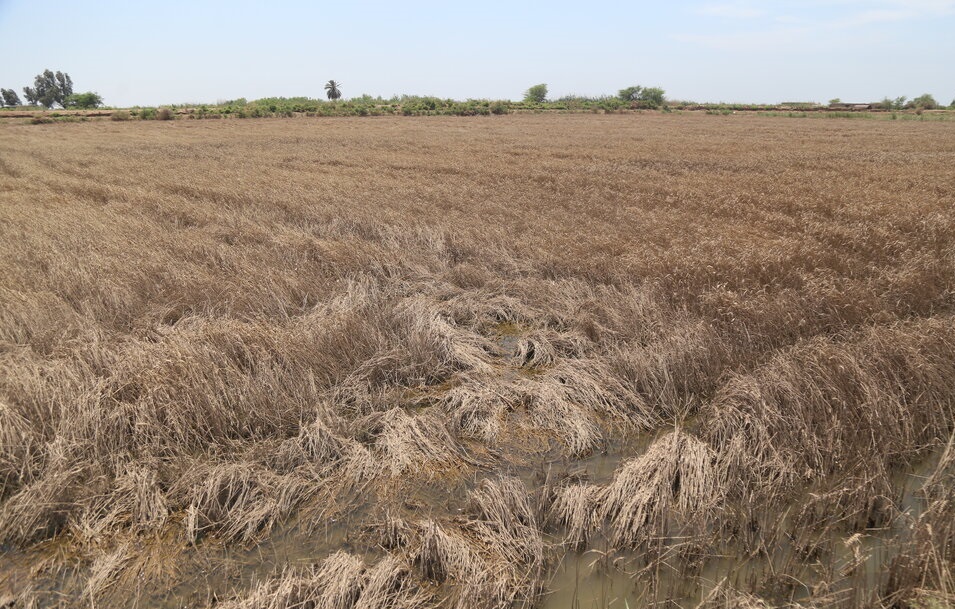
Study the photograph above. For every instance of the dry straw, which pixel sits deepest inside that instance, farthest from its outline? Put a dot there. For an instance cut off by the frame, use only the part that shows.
(687, 345)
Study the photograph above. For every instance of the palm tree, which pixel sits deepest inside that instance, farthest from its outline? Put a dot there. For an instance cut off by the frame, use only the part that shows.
(332, 89)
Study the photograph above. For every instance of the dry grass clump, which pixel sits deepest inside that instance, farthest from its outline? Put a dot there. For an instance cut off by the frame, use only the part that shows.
(830, 408)
(495, 559)
(576, 400)
(724, 597)
(479, 409)
(137, 502)
(673, 373)
(673, 490)
(16, 438)
(342, 581)
(104, 571)
(922, 574)
(677, 480)
(504, 510)
(575, 507)
(401, 442)
(42, 509)
(936, 485)
(235, 344)
(236, 501)
(316, 445)
(443, 555)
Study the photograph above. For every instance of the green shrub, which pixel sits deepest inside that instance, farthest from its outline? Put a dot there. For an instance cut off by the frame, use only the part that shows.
(119, 115)
(536, 94)
(924, 102)
(84, 101)
(887, 103)
(500, 107)
(641, 104)
(147, 113)
(647, 97)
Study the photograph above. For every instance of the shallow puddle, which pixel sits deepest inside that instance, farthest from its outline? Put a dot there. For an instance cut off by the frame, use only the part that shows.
(169, 573)
(848, 564)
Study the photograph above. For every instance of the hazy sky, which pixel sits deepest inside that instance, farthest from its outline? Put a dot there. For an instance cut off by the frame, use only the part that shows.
(172, 51)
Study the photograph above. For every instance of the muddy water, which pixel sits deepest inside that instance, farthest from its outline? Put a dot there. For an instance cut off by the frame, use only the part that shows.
(176, 574)
(170, 573)
(851, 564)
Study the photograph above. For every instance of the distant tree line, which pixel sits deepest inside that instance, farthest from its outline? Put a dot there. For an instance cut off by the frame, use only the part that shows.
(56, 89)
(655, 97)
(637, 96)
(923, 102)
(52, 89)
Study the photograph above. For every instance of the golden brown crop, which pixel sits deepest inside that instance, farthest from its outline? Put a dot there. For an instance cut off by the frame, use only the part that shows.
(395, 362)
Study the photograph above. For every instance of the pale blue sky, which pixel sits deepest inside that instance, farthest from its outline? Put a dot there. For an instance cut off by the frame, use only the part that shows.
(172, 51)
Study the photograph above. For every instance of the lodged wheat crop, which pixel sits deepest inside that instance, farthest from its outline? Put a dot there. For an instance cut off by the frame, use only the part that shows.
(434, 362)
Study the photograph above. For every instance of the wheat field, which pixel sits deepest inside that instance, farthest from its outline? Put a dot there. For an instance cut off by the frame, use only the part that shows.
(576, 361)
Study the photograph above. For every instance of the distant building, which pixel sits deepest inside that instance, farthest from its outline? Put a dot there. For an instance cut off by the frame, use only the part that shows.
(845, 106)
